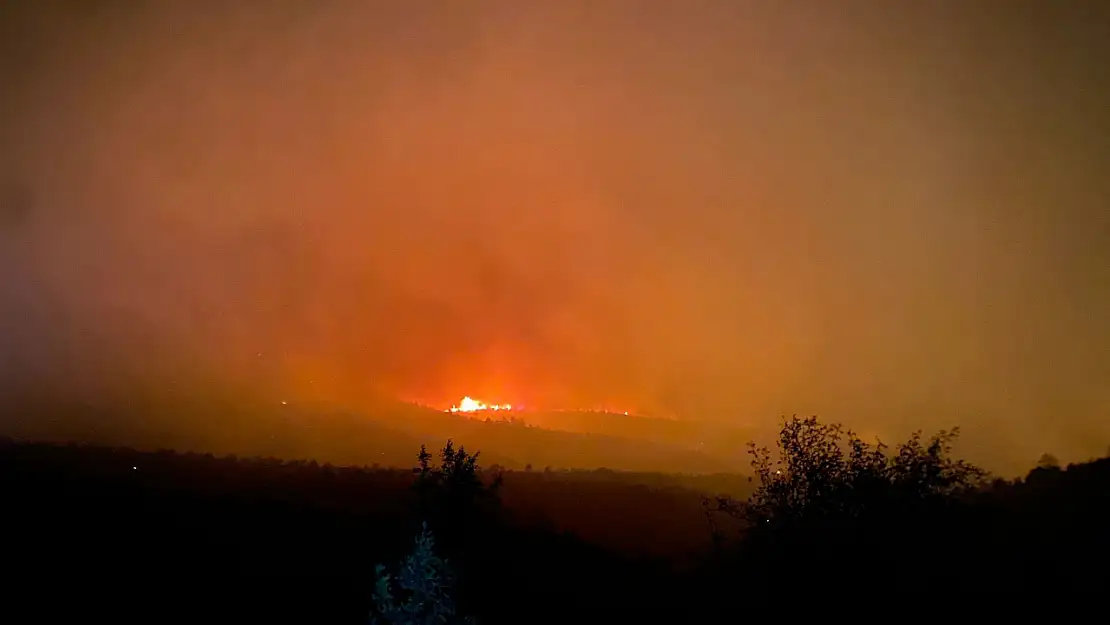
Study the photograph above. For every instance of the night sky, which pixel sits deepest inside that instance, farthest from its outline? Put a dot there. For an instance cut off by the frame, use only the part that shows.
(891, 213)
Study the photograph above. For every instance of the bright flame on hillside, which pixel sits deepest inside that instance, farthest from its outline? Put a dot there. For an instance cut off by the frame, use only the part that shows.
(472, 405)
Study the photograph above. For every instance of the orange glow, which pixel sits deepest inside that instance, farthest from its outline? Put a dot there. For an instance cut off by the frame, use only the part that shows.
(468, 404)
(478, 202)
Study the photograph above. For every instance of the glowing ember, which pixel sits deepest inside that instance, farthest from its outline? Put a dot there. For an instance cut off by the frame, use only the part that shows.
(472, 405)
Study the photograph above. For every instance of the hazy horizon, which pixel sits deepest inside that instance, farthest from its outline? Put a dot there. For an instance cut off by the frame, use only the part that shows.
(891, 214)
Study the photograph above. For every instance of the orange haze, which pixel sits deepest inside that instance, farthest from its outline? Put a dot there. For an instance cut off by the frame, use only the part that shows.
(890, 214)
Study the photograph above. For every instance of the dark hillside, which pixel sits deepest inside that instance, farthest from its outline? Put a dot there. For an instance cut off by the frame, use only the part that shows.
(191, 525)
(229, 539)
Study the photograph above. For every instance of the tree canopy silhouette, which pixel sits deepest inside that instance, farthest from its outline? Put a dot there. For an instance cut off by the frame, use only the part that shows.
(455, 497)
(826, 477)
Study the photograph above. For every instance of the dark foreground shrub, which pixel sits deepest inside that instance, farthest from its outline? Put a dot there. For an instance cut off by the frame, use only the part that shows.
(830, 506)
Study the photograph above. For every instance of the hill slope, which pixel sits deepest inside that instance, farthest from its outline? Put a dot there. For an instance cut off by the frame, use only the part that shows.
(330, 433)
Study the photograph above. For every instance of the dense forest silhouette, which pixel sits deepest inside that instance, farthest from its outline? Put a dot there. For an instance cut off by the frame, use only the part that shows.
(119, 532)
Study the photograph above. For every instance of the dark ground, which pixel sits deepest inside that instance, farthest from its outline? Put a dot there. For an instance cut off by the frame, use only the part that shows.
(119, 535)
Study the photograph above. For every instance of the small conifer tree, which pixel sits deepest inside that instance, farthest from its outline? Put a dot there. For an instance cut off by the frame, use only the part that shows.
(418, 593)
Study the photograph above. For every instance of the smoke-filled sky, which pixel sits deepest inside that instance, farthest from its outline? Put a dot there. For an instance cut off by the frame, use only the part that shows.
(894, 214)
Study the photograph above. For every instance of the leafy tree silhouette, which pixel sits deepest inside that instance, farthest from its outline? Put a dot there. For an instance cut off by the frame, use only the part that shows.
(455, 497)
(1048, 462)
(461, 504)
(418, 593)
(828, 494)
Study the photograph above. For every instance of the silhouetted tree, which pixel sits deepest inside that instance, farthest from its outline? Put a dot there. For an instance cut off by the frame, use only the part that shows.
(1048, 462)
(825, 474)
(418, 593)
(828, 499)
(454, 497)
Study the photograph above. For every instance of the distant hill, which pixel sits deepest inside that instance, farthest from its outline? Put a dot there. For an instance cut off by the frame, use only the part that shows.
(389, 435)
(711, 438)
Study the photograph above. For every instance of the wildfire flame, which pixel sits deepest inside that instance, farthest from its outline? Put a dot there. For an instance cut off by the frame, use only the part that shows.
(468, 404)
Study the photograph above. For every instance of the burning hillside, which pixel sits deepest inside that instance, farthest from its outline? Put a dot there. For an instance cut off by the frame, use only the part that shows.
(468, 404)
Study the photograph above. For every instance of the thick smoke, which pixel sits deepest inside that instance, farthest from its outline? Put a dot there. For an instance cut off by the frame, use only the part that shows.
(892, 217)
